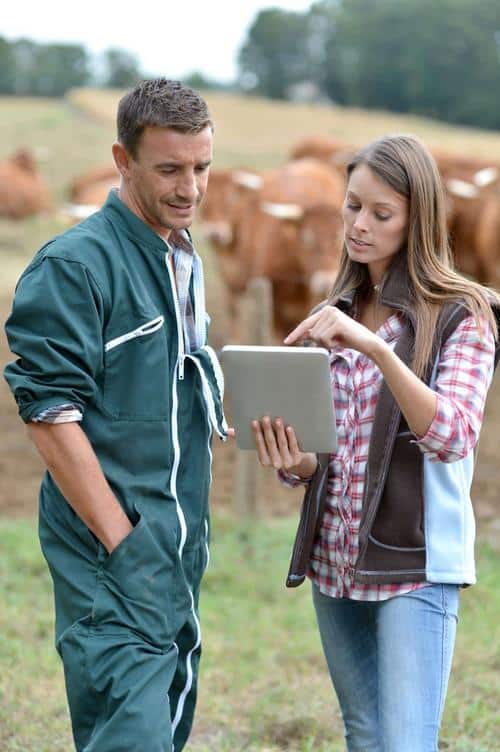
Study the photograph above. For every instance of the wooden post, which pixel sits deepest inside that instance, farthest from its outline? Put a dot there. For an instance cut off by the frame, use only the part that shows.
(255, 326)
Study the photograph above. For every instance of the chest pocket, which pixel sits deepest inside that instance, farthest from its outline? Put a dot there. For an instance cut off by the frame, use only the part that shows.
(136, 373)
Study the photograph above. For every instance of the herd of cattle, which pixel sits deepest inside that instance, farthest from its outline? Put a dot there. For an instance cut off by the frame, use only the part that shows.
(285, 224)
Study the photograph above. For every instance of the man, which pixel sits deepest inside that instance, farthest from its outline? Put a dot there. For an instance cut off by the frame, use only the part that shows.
(120, 394)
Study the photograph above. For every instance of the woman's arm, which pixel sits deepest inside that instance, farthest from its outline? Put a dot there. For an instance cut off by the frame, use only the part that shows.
(330, 327)
(465, 371)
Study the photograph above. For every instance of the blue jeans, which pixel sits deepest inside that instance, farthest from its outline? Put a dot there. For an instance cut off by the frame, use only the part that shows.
(390, 662)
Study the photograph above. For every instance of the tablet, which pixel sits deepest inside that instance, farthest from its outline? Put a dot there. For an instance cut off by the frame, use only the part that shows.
(292, 383)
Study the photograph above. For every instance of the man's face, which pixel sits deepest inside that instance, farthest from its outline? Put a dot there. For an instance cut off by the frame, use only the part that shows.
(167, 178)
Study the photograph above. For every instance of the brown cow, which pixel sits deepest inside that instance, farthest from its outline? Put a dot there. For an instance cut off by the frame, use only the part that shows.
(88, 192)
(467, 181)
(468, 168)
(472, 205)
(326, 149)
(278, 235)
(464, 206)
(81, 187)
(221, 203)
(304, 261)
(488, 240)
(23, 191)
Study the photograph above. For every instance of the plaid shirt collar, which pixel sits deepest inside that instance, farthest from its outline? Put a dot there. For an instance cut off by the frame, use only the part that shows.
(187, 266)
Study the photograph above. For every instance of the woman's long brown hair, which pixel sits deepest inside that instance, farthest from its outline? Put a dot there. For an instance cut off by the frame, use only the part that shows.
(405, 165)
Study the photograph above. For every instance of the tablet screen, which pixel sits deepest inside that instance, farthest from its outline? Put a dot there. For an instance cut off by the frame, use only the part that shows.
(292, 383)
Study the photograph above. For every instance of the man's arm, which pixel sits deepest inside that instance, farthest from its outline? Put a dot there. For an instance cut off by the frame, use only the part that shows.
(76, 471)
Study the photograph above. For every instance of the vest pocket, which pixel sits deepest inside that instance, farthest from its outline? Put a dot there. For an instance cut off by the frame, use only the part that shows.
(136, 373)
(136, 590)
(399, 522)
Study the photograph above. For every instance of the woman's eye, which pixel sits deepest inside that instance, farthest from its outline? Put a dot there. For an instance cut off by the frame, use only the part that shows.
(354, 207)
(383, 217)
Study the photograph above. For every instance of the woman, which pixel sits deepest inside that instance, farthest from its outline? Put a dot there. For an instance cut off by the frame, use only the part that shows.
(413, 349)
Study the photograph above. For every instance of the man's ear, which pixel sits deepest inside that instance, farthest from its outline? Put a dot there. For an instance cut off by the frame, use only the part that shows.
(122, 158)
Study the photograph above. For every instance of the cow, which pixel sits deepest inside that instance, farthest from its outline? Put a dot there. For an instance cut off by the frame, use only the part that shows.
(472, 222)
(327, 149)
(488, 240)
(464, 206)
(226, 190)
(467, 168)
(96, 177)
(306, 248)
(88, 192)
(289, 232)
(23, 191)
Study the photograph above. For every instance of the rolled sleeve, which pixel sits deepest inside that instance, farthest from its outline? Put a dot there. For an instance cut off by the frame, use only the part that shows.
(292, 481)
(56, 330)
(59, 414)
(464, 375)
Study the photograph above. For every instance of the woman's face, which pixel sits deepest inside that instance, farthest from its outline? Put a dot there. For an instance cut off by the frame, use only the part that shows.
(375, 221)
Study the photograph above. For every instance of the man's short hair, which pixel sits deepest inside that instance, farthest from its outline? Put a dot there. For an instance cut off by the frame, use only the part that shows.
(160, 103)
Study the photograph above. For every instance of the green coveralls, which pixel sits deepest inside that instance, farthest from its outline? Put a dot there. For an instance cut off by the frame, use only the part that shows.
(96, 324)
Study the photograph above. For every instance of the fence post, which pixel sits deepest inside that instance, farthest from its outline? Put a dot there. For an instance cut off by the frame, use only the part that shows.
(255, 326)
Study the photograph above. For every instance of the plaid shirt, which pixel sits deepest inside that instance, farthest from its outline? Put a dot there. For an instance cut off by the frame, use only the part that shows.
(187, 265)
(465, 372)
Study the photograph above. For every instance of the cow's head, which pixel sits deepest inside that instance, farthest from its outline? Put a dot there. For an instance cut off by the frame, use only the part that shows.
(314, 242)
(226, 189)
(321, 233)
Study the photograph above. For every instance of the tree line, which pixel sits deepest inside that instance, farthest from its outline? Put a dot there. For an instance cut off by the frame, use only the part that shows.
(437, 58)
(28, 68)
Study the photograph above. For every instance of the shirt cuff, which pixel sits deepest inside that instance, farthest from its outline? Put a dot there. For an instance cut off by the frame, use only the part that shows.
(437, 442)
(291, 480)
(65, 413)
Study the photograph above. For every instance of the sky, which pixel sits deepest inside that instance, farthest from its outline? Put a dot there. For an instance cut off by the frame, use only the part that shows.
(169, 37)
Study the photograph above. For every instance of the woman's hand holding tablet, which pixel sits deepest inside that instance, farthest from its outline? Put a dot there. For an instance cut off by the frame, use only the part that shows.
(277, 446)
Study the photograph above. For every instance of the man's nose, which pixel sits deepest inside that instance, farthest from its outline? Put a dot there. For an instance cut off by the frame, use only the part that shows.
(186, 187)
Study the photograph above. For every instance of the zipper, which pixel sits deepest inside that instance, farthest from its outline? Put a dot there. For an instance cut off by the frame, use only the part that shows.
(178, 373)
(181, 355)
(141, 331)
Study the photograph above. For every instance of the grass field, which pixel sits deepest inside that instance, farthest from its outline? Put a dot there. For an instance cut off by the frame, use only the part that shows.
(263, 684)
(260, 132)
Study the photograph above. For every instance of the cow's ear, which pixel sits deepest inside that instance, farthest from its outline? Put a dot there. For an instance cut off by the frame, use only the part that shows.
(486, 177)
(461, 188)
(293, 212)
(121, 157)
(246, 179)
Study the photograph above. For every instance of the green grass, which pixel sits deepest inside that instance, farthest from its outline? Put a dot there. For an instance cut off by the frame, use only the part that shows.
(263, 681)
